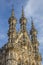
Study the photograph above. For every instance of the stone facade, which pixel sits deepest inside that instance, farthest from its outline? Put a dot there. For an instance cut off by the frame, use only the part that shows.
(21, 48)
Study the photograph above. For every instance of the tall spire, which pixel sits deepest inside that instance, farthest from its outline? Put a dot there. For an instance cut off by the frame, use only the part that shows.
(23, 21)
(22, 12)
(12, 14)
(33, 29)
(12, 27)
(32, 23)
(35, 43)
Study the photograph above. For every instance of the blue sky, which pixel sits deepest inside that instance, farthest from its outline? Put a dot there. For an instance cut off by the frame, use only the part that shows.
(32, 8)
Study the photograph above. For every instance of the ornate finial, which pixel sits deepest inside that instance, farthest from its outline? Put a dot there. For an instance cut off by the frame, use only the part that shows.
(33, 27)
(12, 14)
(22, 12)
(32, 22)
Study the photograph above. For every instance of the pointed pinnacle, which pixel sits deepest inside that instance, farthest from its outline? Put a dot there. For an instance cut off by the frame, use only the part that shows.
(22, 12)
(32, 23)
(12, 14)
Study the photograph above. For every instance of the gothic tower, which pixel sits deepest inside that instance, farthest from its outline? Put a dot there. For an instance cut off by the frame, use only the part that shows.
(12, 34)
(35, 43)
(23, 21)
(12, 27)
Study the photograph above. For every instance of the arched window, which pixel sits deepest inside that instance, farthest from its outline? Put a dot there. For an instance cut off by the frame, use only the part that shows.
(26, 62)
(33, 64)
(19, 61)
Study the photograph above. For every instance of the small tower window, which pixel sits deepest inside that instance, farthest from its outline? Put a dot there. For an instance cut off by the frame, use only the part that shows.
(19, 61)
(33, 64)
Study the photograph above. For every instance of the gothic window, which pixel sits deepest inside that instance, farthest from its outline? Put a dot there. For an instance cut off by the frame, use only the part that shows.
(0, 64)
(33, 64)
(19, 61)
(26, 62)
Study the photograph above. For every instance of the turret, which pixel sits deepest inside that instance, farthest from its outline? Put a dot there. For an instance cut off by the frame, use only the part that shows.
(33, 33)
(12, 27)
(35, 43)
(9, 47)
(23, 21)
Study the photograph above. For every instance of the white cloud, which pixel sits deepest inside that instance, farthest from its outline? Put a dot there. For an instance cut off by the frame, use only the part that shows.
(34, 7)
(41, 39)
